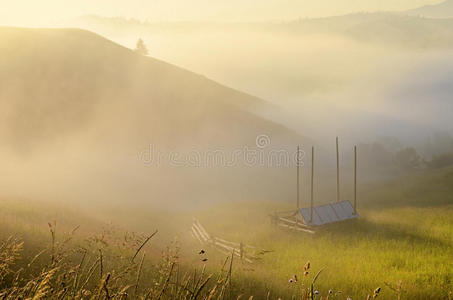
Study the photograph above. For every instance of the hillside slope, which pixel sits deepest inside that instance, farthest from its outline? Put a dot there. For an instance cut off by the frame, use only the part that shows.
(57, 82)
(72, 102)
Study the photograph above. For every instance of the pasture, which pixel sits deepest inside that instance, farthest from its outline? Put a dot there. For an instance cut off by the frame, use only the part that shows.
(402, 242)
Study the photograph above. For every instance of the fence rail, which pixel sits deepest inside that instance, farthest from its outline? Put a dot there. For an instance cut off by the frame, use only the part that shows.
(244, 252)
(291, 224)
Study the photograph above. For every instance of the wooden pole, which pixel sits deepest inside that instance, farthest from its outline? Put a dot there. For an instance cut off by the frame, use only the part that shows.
(355, 179)
(338, 174)
(312, 175)
(298, 188)
(241, 250)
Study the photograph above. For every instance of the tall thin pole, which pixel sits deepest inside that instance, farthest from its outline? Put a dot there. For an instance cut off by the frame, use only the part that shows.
(338, 174)
(355, 179)
(312, 175)
(298, 188)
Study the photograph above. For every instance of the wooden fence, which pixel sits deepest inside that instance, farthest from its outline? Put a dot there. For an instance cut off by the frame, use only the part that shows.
(244, 252)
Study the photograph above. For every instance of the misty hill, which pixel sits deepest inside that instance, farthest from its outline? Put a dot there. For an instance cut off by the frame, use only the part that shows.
(441, 10)
(56, 83)
(77, 111)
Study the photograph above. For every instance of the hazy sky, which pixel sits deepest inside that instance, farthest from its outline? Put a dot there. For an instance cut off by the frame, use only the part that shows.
(47, 12)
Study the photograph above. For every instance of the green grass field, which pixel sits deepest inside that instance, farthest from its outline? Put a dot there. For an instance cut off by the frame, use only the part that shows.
(404, 234)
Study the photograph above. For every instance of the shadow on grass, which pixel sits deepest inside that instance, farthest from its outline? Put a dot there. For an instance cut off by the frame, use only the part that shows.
(366, 229)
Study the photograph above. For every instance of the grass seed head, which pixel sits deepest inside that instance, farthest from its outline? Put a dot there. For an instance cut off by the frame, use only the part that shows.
(307, 266)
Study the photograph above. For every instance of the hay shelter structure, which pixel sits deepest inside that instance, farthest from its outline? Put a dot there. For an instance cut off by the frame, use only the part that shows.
(307, 219)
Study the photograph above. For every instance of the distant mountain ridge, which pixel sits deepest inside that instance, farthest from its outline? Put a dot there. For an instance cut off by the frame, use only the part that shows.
(441, 10)
(409, 28)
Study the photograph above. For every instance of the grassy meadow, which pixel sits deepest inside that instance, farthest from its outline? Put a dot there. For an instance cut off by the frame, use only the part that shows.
(402, 242)
(111, 155)
(404, 234)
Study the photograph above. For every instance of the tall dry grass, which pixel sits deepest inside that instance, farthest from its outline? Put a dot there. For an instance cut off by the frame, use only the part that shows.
(102, 270)
(108, 267)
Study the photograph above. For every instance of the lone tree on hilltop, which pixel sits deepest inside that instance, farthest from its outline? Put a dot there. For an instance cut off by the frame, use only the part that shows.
(141, 48)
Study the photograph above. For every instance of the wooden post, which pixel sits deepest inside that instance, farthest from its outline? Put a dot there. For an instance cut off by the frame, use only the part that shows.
(298, 189)
(241, 250)
(355, 179)
(312, 173)
(229, 273)
(338, 174)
